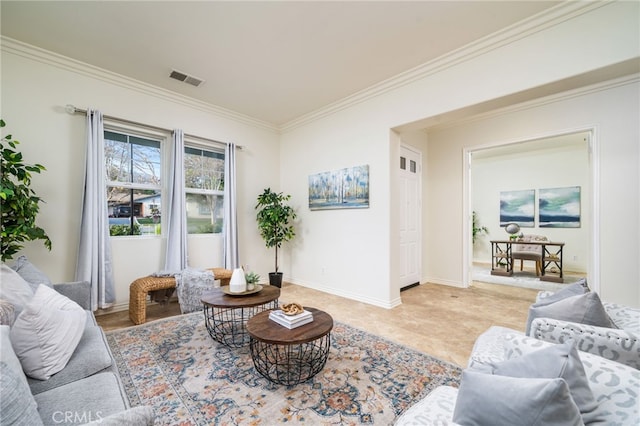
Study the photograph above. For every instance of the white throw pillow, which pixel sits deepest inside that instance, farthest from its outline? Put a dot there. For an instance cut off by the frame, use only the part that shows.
(14, 289)
(47, 332)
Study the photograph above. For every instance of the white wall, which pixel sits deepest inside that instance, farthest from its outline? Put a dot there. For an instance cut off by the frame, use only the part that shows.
(534, 166)
(37, 85)
(353, 252)
(613, 113)
(356, 247)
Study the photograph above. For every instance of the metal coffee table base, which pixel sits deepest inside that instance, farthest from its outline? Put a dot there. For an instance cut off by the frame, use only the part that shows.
(228, 325)
(290, 364)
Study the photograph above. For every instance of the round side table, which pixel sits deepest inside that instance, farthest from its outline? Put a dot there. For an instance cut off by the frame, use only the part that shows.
(226, 315)
(290, 356)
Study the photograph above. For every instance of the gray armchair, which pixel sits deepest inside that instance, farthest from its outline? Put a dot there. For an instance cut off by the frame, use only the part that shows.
(525, 251)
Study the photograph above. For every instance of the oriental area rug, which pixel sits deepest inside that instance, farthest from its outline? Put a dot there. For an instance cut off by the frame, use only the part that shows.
(188, 378)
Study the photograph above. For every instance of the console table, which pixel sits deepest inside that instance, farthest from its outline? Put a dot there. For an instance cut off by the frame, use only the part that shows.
(502, 259)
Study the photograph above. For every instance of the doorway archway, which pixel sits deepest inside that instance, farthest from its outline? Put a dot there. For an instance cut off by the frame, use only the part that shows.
(558, 160)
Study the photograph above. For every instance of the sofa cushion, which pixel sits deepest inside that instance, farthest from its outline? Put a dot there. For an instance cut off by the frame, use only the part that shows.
(14, 289)
(556, 361)
(47, 332)
(482, 400)
(82, 401)
(17, 405)
(584, 309)
(30, 273)
(92, 355)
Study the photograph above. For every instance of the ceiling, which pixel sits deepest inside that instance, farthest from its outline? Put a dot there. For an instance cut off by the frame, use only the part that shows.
(272, 61)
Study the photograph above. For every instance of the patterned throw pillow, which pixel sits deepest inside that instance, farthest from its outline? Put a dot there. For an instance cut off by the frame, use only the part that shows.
(7, 313)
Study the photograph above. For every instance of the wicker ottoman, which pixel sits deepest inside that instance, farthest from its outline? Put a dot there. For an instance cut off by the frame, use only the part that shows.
(139, 289)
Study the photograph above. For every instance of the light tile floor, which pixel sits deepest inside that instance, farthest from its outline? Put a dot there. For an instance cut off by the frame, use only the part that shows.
(440, 320)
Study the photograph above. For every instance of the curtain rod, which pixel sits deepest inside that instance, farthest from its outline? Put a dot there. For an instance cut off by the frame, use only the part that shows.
(73, 110)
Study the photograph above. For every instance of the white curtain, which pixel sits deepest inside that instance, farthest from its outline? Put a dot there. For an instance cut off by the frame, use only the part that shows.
(231, 258)
(94, 251)
(176, 223)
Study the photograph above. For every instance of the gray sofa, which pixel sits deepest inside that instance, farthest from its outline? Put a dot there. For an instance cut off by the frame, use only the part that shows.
(87, 390)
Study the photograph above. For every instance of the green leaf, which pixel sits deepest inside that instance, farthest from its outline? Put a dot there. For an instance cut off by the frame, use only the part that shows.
(20, 204)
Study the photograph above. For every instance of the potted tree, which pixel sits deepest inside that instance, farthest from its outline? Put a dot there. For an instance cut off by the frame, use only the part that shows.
(18, 202)
(274, 219)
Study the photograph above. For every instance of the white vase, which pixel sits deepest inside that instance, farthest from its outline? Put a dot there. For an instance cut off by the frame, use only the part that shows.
(238, 284)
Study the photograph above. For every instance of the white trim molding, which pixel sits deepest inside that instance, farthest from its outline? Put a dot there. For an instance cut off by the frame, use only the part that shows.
(541, 21)
(34, 53)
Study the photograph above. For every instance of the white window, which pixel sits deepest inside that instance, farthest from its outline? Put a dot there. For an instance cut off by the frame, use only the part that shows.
(204, 187)
(134, 181)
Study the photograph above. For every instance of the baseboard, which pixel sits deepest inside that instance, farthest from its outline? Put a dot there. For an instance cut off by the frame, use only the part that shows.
(407, 287)
(124, 306)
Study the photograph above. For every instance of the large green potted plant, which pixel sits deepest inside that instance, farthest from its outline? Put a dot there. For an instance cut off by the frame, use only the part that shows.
(275, 219)
(19, 203)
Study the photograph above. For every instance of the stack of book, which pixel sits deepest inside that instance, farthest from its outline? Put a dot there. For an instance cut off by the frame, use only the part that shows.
(291, 321)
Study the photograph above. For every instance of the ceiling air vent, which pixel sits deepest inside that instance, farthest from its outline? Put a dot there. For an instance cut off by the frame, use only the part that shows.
(189, 79)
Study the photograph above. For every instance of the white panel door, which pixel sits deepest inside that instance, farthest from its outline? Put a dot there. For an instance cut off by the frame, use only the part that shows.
(410, 169)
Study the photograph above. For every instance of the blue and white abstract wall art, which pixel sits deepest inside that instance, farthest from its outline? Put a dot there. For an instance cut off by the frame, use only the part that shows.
(518, 207)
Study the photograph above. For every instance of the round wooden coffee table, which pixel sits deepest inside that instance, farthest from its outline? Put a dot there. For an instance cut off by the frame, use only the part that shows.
(226, 315)
(290, 356)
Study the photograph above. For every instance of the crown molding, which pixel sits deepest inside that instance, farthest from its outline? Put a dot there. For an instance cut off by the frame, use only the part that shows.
(536, 23)
(546, 19)
(539, 102)
(66, 63)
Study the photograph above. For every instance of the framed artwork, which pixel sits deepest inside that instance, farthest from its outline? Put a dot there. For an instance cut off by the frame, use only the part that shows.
(518, 207)
(559, 207)
(340, 189)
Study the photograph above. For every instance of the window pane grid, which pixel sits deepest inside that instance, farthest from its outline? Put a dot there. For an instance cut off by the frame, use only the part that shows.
(134, 186)
(204, 186)
(133, 170)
